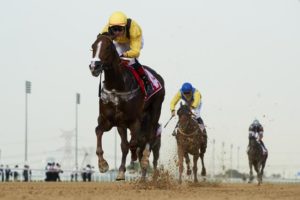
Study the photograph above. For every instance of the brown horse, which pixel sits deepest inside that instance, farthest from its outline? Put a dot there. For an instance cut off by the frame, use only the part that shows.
(122, 104)
(190, 140)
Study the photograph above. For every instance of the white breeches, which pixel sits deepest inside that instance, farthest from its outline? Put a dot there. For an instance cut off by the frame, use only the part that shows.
(123, 47)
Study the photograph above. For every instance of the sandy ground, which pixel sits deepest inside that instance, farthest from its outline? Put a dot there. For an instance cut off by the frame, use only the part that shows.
(126, 190)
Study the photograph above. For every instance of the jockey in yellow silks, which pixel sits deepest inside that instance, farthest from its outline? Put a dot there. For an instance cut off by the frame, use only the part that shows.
(191, 97)
(128, 39)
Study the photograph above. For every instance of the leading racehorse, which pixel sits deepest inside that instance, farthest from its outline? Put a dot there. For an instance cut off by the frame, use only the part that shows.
(122, 104)
(257, 158)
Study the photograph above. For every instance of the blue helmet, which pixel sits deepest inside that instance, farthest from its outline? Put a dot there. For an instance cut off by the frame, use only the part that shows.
(186, 87)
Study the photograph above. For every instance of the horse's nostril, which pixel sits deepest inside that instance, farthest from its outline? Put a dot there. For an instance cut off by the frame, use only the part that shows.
(91, 67)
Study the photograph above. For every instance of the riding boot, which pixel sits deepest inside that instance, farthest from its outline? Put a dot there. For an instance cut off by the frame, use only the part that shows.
(147, 84)
(140, 70)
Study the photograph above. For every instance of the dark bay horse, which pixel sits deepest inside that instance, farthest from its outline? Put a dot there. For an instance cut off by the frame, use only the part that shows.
(122, 104)
(256, 158)
(190, 140)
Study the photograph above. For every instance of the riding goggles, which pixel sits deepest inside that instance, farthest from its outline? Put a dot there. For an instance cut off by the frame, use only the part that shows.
(117, 28)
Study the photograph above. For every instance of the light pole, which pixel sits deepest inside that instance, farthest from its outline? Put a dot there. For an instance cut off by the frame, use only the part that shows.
(76, 134)
(27, 91)
(213, 158)
(222, 158)
(238, 158)
(231, 147)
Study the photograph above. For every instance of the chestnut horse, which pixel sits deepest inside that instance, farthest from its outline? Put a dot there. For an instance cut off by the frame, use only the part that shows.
(122, 104)
(190, 140)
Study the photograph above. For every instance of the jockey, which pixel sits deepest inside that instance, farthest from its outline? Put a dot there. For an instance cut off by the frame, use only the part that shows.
(257, 130)
(192, 97)
(128, 39)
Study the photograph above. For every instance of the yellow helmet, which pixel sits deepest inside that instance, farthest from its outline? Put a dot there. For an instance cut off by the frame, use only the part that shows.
(117, 19)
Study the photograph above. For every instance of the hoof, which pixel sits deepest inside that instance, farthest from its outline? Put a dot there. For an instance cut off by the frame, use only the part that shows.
(145, 159)
(121, 176)
(103, 166)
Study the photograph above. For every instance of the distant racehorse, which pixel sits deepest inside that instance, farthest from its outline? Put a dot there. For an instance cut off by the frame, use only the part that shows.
(190, 140)
(257, 159)
(122, 104)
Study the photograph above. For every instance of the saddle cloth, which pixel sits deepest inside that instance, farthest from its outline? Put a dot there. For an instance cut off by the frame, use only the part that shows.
(155, 84)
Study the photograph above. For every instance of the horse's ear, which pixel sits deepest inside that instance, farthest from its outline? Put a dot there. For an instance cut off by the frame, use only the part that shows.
(107, 34)
(99, 35)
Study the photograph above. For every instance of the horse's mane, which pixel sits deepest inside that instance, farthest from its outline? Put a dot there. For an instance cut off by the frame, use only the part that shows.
(127, 75)
(190, 125)
(104, 33)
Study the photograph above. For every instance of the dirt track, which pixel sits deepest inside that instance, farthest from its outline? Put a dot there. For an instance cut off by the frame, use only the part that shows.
(117, 190)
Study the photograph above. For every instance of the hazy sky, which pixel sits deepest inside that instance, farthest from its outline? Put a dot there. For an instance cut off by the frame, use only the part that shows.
(243, 56)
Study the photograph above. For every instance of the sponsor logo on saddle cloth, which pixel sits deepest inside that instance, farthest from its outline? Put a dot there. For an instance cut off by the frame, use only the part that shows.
(156, 86)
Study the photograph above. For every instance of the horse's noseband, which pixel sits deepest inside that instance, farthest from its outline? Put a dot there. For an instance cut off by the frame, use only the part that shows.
(97, 67)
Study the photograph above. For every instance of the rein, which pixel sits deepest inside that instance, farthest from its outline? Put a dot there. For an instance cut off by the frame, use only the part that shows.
(99, 92)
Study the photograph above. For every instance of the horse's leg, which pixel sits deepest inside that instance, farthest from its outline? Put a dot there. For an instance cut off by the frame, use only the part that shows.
(263, 167)
(145, 158)
(154, 115)
(195, 168)
(250, 173)
(125, 149)
(203, 171)
(155, 150)
(140, 155)
(187, 162)
(257, 169)
(133, 150)
(180, 163)
(259, 172)
(102, 164)
(132, 147)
